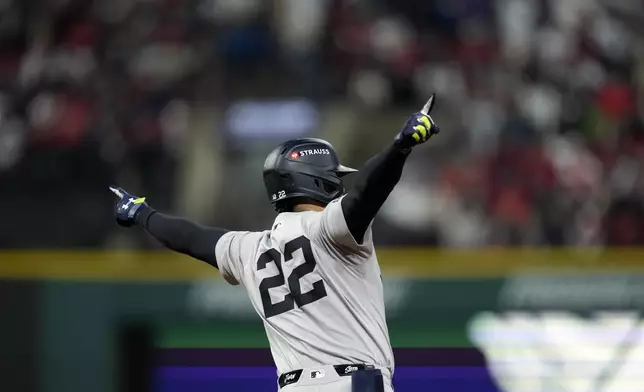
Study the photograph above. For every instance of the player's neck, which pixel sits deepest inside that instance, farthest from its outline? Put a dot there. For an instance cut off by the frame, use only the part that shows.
(307, 207)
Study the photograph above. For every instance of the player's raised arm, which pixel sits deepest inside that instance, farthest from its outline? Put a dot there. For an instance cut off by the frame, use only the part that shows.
(178, 234)
(382, 172)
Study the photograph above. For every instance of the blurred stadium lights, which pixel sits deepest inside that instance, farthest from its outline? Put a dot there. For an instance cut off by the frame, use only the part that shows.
(562, 351)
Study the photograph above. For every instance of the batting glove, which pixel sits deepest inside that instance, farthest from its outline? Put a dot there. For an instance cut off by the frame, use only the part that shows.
(418, 129)
(127, 207)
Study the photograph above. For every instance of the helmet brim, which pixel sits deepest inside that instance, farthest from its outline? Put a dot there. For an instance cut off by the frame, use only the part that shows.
(344, 170)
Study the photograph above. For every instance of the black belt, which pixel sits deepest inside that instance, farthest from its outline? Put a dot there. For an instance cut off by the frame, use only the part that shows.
(343, 370)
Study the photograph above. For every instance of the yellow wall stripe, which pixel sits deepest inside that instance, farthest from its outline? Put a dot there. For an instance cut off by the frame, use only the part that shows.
(412, 262)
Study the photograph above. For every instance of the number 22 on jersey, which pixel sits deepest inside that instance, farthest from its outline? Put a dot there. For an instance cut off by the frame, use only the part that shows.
(295, 295)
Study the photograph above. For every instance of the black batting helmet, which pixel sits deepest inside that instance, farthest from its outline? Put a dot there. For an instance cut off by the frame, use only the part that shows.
(307, 168)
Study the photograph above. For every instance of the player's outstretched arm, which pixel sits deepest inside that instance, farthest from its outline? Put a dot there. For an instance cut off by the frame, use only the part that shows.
(178, 234)
(381, 173)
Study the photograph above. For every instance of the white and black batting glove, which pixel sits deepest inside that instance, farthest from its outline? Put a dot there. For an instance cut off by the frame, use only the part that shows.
(418, 129)
(126, 207)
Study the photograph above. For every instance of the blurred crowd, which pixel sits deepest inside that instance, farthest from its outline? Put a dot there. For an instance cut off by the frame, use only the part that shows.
(540, 103)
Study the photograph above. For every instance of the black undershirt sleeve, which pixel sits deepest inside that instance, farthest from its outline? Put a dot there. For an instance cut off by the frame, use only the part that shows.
(375, 182)
(181, 235)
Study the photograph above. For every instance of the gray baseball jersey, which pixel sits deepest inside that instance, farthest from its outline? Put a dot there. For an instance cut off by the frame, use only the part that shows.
(318, 292)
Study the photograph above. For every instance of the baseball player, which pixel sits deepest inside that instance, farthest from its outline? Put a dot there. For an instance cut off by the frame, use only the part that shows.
(313, 277)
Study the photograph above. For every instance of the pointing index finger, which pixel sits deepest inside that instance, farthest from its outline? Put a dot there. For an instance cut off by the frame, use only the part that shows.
(117, 192)
(428, 106)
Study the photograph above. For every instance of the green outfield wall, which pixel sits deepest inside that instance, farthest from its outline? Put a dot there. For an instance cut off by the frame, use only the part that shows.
(72, 304)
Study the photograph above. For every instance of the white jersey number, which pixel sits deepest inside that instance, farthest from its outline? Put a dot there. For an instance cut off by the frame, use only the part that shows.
(295, 296)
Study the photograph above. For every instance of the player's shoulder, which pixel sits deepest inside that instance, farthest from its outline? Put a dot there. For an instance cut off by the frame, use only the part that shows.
(235, 251)
(247, 234)
(245, 240)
